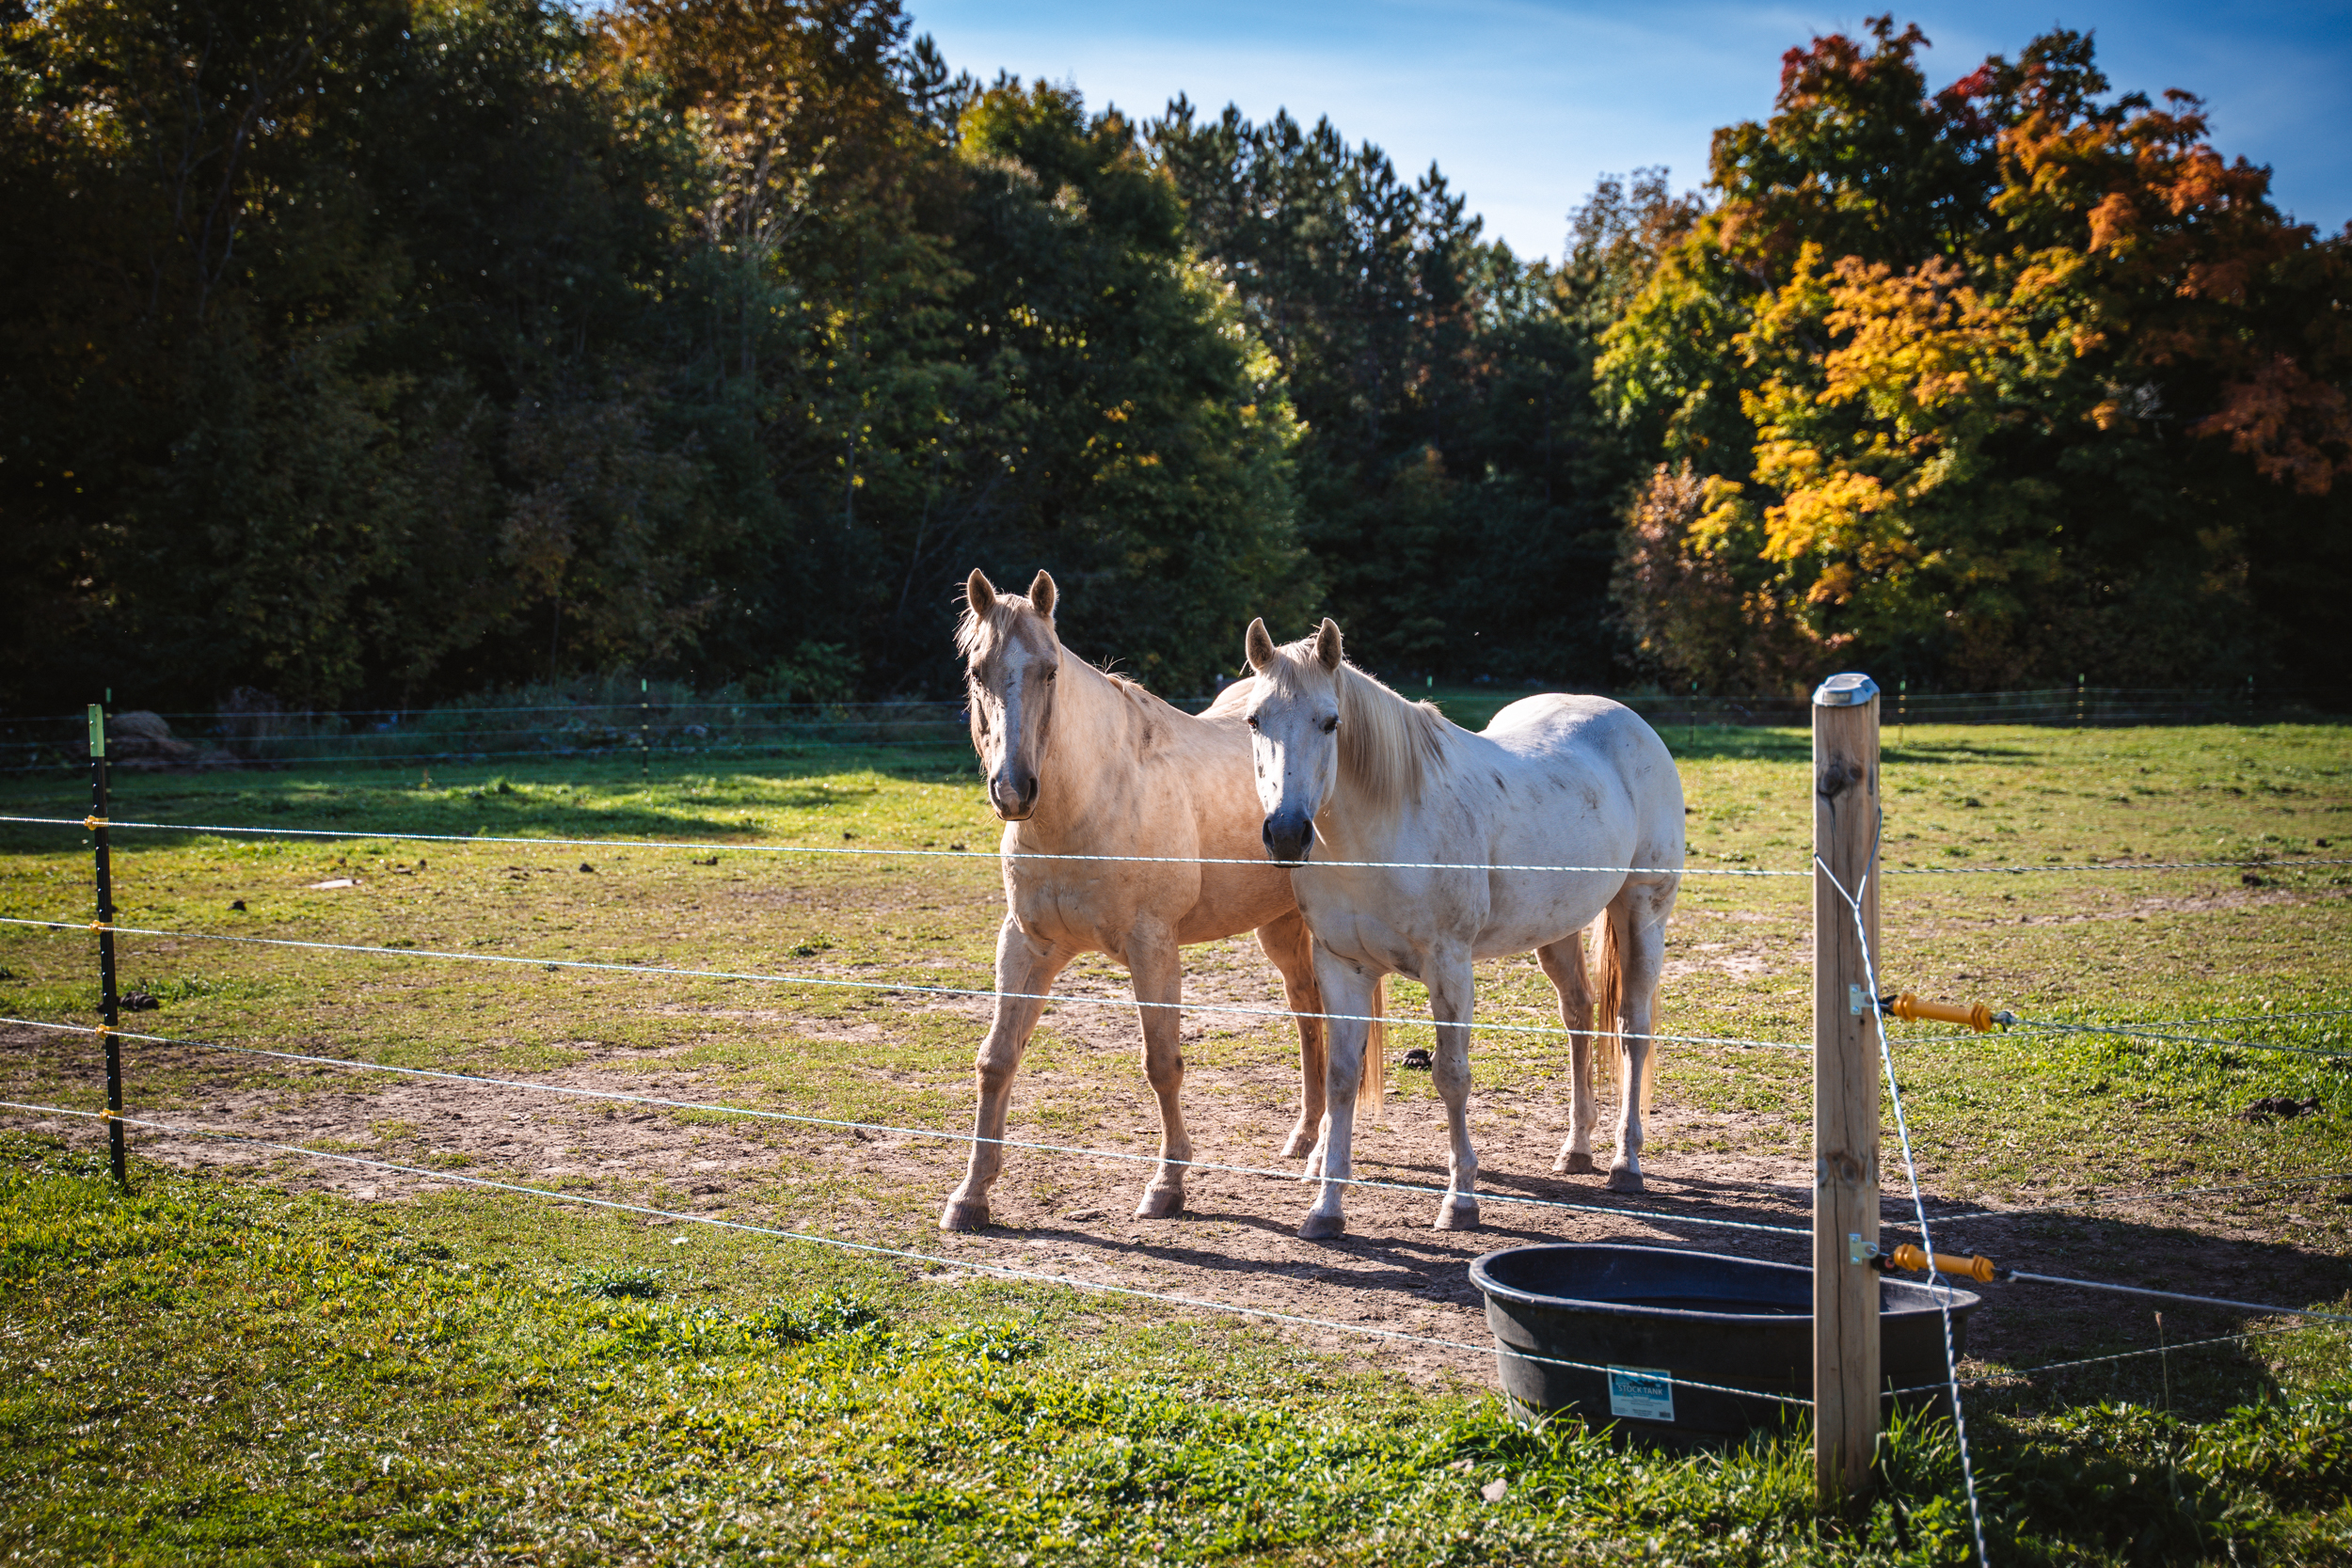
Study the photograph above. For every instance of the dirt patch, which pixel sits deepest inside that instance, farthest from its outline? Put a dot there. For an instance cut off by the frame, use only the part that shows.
(1719, 957)
(1069, 1214)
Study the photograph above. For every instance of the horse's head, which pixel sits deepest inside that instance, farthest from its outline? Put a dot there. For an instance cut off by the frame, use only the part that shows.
(1012, 659)
(1294, 718)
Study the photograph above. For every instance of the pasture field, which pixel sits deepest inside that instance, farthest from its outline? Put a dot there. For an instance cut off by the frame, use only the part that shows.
(261, 1357)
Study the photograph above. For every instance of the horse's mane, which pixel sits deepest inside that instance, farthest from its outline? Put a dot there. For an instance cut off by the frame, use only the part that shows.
(970, 624)
(1387, 743)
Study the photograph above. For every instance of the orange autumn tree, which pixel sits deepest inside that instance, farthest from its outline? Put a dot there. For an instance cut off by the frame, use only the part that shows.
(1993, 385)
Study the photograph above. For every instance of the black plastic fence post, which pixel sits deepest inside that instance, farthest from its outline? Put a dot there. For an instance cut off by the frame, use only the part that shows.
(107, 1000)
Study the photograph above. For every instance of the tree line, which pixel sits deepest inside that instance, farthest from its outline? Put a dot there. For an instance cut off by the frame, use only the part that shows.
(380, 350)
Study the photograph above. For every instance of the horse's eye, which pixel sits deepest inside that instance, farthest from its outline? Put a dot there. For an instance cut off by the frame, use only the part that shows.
(1253, 720)
(1331, 723)
(1053, 675)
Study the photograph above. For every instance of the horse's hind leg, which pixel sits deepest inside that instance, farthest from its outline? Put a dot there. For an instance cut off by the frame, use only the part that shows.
(1292, 949)
(1024, 973)
(1450, 984)
(1639, 918)
(1157, 970)
(1564, 963)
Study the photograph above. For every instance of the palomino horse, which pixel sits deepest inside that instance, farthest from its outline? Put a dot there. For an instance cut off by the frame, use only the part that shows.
(1350, 771)
(1082, 764)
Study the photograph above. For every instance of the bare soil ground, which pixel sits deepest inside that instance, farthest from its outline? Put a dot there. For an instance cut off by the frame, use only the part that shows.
(1070, 1214)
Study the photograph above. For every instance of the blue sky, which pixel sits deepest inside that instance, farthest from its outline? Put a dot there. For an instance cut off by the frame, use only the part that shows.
(1524, 103)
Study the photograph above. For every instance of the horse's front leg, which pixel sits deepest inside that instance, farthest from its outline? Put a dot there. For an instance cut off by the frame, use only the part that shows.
(1450, 983)
(1025, 974)
(1564, 963)
(1158, 973)
(1347, 995)
(1291, 950)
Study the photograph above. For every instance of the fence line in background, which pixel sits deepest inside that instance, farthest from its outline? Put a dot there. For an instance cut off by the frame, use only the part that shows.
(2081, 703)
(616, 751)
(854, 851)
(621, 1096)
(668, 706)
(620, 734)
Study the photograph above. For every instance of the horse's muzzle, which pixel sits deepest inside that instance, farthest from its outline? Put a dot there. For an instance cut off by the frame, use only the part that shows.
(1288, 837)
(1012, 795)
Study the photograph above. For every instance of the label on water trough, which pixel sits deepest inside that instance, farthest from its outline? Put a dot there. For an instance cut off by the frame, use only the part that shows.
(1641, 1393)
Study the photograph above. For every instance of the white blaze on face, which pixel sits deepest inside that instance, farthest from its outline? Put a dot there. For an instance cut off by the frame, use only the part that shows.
(1293, 740)
(1012, 683)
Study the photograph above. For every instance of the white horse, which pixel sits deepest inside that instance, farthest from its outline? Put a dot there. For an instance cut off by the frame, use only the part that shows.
(1350, 771)
(1086, 765)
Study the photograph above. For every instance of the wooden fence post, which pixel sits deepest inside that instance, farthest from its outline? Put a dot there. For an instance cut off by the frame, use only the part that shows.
(107, 1001)
(1845, 1087)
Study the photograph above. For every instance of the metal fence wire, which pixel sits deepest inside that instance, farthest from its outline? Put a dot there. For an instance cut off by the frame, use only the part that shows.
(746, 723)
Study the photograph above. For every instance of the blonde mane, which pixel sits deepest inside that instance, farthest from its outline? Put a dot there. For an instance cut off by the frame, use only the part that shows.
(1387, 743)
(968, 632)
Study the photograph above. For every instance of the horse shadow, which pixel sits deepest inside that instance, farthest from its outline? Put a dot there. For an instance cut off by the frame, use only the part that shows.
(2032, 1346)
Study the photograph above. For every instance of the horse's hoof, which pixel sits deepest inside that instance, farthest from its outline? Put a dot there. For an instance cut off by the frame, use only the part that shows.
(1456, 1213)
(1624, 1178)
(1160, 1202)
(1299, 1143)
(1316, 1228)
(964, 1213)
(1574, 1164)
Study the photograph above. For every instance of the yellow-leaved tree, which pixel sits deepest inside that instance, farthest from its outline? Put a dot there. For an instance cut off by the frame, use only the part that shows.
(1992, 384)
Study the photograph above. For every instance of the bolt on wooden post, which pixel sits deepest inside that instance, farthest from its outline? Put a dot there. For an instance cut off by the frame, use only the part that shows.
(1845, 1086)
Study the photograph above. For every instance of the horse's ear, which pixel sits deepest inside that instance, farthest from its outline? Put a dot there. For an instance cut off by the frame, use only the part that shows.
(1327, 644)
(1257, 647)
(978, 592)
(1042, 595)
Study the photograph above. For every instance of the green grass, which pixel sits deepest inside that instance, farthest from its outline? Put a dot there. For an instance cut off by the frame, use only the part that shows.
(215, 1372)
(456, 1378)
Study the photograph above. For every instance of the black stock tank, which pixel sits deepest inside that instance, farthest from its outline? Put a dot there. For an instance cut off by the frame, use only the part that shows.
(1634, 1318)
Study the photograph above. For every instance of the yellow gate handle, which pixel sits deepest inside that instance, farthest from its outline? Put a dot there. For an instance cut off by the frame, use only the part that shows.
(1975, 1015)
(1981, 1269)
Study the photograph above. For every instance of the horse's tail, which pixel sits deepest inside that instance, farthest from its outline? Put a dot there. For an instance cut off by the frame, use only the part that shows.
(1609, 1010)
(1375, 1080)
